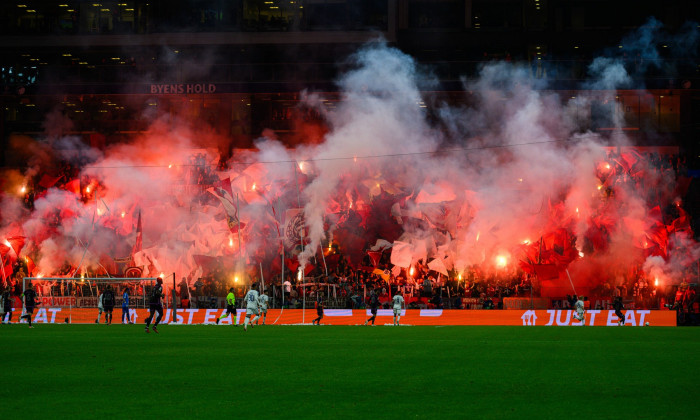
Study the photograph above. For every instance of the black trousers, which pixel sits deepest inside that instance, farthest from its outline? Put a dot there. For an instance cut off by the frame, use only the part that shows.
(153, 309)
(620, 315)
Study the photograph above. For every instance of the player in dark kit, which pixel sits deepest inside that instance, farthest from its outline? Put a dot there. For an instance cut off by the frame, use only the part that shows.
(319, 310)
(155, 305)
(618, 307)
(373, 305)
(108, 303)
(7, 303)
(29, 299)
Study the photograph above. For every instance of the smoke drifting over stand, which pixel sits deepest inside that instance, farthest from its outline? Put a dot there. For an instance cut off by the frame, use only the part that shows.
(507, 183)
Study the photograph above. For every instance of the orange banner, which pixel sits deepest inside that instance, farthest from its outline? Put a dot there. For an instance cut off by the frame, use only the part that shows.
(550, 317)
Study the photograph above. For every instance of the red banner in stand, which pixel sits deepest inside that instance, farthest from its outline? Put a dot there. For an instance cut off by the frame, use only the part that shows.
(549, 317)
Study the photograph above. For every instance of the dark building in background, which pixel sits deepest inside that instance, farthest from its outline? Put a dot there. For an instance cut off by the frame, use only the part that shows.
(239, 65)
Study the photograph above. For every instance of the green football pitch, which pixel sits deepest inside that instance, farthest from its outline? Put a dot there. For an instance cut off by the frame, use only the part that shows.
(100, 371)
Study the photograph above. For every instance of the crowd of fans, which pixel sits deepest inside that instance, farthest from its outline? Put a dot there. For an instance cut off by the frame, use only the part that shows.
(347, 287)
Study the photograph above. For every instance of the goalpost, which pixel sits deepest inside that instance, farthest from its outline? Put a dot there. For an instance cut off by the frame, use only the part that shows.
(71, 293)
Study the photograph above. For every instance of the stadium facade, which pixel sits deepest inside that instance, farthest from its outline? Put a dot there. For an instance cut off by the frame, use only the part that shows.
(240, 65)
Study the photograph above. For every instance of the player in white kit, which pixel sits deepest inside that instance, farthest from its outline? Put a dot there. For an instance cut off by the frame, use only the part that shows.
(251, 299)
(580, 314)
(263, 302)
(398, 306)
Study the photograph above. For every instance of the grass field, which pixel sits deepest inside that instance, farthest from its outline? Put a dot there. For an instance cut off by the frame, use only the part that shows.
(99, 371)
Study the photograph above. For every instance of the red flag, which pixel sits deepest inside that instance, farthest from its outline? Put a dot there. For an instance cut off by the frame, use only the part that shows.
(374, 256)
(531, 252)
(558, 247)
(17, 243)
(629, 158)
(275, 266)
(681, 223)
(546, 271)
(73, 186)
(274, 215)
(598, 237)
(139, 238)
(655, 215)
(7, 271)
(659, 236)
(4, 249)
(292, 264)
(527, 267)
(48, 181)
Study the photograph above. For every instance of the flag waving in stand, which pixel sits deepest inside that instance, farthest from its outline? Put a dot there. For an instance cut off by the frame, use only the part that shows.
(294, 227)
(5, 266)
(17, 243)
(222, 190)
(138, 244)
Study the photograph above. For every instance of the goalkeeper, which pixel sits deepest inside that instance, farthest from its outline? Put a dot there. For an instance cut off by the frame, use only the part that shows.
(125, 306)
(230, 307)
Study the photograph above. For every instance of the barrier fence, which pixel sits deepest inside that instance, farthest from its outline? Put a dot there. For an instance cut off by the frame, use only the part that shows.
(550, 317)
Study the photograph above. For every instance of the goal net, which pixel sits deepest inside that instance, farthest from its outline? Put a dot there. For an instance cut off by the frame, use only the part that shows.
(75, 299)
